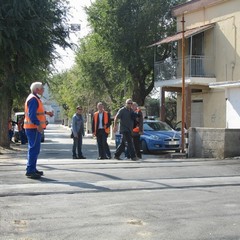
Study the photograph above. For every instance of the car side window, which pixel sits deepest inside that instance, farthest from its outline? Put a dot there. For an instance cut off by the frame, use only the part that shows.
(147, 127)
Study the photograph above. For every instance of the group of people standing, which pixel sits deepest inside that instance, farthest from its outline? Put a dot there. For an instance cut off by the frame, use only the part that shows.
(130, 127)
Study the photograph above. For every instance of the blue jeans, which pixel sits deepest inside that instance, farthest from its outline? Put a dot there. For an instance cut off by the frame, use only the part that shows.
(77, 146)
(34, 145)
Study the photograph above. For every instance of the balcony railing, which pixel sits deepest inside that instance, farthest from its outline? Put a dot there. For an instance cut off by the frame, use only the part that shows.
(195, 66)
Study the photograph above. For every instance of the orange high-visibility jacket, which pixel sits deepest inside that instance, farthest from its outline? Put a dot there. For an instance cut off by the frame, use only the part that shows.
(40, 114)
(105, 122)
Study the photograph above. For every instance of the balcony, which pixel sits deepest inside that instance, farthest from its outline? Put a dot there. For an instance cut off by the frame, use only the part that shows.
(195, 67)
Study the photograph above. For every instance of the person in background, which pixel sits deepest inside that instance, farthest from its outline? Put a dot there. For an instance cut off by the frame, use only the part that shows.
(34, 124)
(101, 128)
(126, 117)
(10, 129)
(78, 133)
(137, 129)
(21, 130)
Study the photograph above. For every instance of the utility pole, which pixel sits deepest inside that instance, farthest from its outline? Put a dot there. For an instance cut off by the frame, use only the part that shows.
(183, 86)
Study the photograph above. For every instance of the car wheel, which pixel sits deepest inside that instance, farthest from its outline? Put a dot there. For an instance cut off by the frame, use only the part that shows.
(144, 147)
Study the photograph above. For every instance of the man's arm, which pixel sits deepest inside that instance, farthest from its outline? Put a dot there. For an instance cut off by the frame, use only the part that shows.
(32, 112)
(115, 124)
(140, 122)
(49, 113)
(109, 120)
(74, 130)
(93, 124)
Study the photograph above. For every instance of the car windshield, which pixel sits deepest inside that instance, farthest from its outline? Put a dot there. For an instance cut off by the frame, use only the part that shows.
(156, 126)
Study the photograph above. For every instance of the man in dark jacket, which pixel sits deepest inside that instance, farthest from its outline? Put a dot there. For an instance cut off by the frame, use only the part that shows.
(78, 133)
(126, 117)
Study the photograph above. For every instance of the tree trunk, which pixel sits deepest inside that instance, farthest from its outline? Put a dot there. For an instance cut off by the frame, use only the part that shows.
(5, 109)
(139, 92)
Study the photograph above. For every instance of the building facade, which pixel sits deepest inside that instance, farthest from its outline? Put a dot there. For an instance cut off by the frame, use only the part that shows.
(211, 64)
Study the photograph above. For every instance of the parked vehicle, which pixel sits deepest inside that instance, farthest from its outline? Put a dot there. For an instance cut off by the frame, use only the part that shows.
(16, 135)
(159, 136)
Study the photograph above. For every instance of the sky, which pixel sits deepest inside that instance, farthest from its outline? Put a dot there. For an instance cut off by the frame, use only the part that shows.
(77, 16)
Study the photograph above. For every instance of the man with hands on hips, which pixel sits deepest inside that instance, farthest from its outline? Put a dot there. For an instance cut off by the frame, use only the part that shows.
(34, 124)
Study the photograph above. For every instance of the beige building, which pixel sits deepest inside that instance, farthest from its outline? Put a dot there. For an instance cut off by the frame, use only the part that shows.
(212, 64)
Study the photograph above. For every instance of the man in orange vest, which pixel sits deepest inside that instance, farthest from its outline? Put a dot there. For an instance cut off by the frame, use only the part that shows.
(34, 124)
(137, 129)
(101, 128)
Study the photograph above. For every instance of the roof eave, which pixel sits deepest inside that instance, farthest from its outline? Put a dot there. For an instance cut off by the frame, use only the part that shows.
(193, 6)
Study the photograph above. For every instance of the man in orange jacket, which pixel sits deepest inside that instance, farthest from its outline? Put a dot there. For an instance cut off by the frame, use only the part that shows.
(101, 128)
(34, 124)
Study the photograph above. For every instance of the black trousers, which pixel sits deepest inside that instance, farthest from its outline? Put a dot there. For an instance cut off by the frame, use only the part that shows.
(127, 138)
(137, 145)
(103, 148)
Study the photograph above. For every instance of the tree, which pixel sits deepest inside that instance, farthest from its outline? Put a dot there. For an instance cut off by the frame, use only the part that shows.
(105, 77)
(29, 33)
(171, 109)
(95, 77)
(127, 27)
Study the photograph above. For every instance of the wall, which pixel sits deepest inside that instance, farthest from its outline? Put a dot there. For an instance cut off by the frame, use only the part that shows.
(233, 107)
(213, 143)
(214, 106)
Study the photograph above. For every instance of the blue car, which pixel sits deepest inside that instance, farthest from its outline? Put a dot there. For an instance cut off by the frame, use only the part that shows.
(159, 136)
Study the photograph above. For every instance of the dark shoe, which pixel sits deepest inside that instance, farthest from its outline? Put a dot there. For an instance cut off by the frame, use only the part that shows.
(75, 157)
(33, 175)
(117, 158)
(100, 158)
(135, 158)
(39, 172)
(81, 157)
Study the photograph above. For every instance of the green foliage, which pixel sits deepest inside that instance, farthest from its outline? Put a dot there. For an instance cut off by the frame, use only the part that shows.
(113, 62)
(152, 107)
(101, 74)
(30, 30)
(127, 27)
(171, 109)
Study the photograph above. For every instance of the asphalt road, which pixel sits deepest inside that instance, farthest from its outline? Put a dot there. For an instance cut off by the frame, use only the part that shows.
(157, 198)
